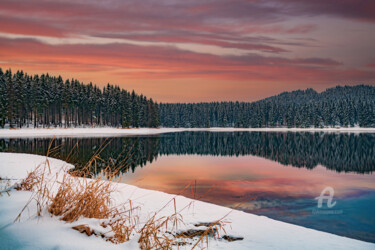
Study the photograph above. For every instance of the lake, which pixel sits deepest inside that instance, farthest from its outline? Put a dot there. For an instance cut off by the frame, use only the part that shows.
(275, 174)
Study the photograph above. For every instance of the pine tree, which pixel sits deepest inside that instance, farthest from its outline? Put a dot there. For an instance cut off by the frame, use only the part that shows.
(49, 101)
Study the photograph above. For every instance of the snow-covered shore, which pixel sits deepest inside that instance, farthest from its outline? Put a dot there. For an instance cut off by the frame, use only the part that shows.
(49, 232)
(107, 132)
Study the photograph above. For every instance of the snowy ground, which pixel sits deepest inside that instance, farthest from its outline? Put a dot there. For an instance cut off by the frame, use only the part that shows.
(106, 132)
(49, 232)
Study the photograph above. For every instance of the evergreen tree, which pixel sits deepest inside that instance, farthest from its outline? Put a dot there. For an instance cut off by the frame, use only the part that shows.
(340, 106)
(49, 101)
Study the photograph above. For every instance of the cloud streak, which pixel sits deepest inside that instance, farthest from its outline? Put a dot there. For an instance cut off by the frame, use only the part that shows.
(161, 62)
(240, 43)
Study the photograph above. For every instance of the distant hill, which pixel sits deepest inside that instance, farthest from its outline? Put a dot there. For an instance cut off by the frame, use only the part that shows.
(346, 106)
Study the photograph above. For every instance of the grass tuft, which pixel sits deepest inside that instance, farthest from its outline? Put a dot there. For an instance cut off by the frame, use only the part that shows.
(79, 197)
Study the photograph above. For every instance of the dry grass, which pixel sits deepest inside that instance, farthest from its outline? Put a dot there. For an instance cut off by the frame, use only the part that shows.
(81, 198)
(5, 186)
(152, 235)
(213, 230)
(30, 181)
(76, 197)
(38, 181)
(123, 227)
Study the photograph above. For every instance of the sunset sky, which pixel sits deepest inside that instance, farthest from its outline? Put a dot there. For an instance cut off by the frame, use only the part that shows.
(194, 50)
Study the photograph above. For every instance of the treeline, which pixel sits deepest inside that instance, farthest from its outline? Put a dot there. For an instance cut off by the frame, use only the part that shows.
(47, 101)
(340, 106)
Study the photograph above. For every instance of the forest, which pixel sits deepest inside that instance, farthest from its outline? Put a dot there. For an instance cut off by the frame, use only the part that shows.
(47, 101)
(340, 106)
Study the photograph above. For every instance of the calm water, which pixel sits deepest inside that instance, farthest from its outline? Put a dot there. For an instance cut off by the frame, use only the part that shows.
(273, 174)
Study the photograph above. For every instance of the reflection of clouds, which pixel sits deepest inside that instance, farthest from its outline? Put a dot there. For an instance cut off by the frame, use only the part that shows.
(257, 184)
(257, 205)
(283, 208)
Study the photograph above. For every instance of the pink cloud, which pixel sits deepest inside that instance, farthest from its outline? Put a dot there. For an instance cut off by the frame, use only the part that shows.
(155, 62)
(268, 34)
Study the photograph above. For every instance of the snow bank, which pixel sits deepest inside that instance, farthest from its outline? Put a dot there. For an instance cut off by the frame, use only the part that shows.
(48, 232)
(107, 132)
(17, 166)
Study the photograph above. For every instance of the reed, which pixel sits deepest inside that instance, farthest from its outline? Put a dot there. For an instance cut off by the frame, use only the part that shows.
(78, 197)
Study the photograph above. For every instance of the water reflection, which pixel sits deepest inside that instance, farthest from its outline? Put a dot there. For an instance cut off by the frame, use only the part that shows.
(339, 152)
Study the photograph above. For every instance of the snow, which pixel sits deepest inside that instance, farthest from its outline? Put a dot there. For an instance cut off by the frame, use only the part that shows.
(17, 166)
(48, 232)
(108, 131)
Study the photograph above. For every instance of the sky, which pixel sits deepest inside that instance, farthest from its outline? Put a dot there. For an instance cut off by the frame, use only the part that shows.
(193, 50)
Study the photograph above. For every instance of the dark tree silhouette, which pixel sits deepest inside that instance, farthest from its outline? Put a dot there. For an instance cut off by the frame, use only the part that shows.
(46, 101)
(339, 106)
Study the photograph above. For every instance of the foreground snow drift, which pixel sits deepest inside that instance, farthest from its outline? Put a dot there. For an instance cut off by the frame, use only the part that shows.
(107, 132)
(47, 232)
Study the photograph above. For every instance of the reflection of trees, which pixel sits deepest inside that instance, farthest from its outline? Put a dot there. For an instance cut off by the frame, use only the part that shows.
(340, 152)
(138, 150)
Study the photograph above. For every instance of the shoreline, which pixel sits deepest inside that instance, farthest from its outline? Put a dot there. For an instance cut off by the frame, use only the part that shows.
(109, 131)
(259, 232)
